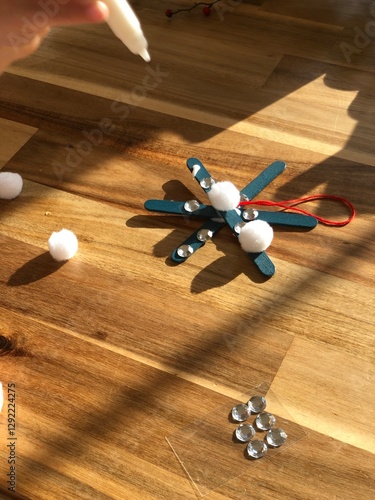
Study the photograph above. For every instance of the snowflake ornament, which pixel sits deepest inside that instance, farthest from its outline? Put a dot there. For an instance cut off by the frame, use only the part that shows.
(251, 227)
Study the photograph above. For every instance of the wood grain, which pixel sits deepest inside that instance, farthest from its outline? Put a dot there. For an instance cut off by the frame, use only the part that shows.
(118, 350)
(14, 135)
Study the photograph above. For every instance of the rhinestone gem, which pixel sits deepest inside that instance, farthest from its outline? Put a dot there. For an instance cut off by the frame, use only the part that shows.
(239, 226)
(245, 432)
(184, 250)
(204, 235)
(265, 421)
(207, 182)
(256, 448)
(240, 412)
(276, 437)
(191, 205)
(250, 214)
(243, 197)
(257, 404)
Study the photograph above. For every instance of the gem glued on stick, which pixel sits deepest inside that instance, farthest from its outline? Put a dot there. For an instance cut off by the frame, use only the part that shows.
(251, 227)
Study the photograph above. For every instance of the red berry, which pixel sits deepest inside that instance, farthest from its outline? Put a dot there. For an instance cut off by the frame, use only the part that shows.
(206, 11)
(169, 13)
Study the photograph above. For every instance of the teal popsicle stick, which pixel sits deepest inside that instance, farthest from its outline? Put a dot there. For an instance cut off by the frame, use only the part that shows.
(193, 242)
(232, 218)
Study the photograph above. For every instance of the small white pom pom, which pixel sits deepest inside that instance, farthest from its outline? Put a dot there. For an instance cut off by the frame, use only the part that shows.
(10, 185)
(256, 236)
(63, 245)
(224, 196)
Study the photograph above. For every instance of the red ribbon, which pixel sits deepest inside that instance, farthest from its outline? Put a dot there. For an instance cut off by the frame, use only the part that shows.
(291, 205)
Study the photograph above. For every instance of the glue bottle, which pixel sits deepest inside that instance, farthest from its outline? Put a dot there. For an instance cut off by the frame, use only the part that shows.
(126, 26)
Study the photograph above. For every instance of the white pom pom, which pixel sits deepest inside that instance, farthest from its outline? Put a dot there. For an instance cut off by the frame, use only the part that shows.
(224, 196)
(63, 245)
(10, 185)
(256, 236)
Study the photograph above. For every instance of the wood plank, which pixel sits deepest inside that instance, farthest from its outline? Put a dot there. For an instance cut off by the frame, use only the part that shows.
(338, 392)
(335, 13)
(13, 135)
(347, 472)
(354, 47)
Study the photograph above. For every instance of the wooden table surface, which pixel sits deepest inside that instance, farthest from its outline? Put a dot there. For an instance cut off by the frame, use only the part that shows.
(125, 366)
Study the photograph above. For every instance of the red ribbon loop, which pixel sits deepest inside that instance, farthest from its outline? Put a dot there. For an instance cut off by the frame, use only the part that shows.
(291, 205)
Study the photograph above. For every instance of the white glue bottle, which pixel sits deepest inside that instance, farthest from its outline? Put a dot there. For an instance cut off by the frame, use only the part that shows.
(126, 26)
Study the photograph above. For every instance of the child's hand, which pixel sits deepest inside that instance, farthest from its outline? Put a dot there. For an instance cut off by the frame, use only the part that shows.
(24, 23)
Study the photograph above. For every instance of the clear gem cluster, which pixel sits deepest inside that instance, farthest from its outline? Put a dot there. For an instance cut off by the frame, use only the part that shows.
(264, 422)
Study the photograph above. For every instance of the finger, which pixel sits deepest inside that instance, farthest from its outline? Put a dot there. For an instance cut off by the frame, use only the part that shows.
(23, 50)
(80, 12)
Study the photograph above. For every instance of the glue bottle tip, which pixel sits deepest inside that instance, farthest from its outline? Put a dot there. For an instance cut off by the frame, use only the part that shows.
(145, 55)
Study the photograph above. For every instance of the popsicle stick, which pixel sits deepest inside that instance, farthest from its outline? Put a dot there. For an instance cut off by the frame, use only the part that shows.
(232, 217)
(288, 219)
(252, 189)
(178, 207)
(279, 218)
(261, 259)
(193, 243)
(200, 173)
(264, 179)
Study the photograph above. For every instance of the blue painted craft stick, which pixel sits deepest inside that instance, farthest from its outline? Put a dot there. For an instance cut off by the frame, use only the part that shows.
(231, 217)
(252, 189)
(263, 179)
(193, 243)
(200, 173)
(178, 207)
(261, 259)
(279, 218)
(287, 219)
